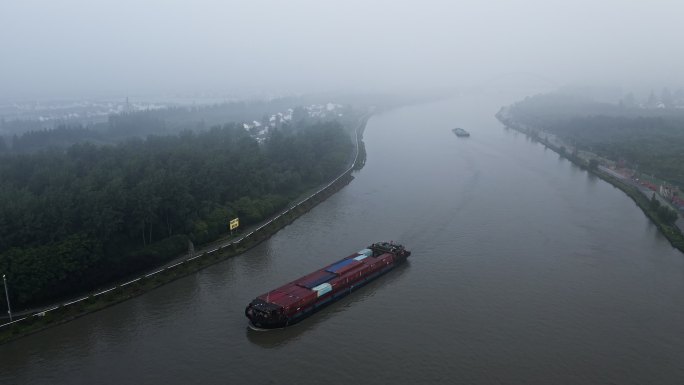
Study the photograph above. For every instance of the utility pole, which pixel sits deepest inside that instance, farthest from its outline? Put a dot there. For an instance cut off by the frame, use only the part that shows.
(9, 309)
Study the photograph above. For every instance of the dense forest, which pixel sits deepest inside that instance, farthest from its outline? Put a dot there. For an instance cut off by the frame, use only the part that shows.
(648, 139)
(75, 218)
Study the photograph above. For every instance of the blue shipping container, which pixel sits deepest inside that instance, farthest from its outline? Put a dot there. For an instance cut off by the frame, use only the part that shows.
(337, 266)
(318, 280)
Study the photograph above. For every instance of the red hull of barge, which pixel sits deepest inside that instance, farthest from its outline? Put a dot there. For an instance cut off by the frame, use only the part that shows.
(302, 297)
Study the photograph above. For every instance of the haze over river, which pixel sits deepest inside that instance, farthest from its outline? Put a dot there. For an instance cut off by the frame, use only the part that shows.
(525, 270)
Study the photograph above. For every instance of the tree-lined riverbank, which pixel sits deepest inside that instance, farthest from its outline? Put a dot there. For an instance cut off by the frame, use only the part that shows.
(666, 226)
(72, 309)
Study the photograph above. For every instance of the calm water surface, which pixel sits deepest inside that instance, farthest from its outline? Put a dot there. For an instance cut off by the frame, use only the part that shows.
(525, 270)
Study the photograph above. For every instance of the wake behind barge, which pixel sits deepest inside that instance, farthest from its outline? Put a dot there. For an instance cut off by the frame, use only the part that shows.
(300, 298)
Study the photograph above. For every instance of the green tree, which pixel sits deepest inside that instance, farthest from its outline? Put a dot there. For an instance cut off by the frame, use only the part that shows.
(593, 164)
(654, 203)
(71, 219)
(667, 215)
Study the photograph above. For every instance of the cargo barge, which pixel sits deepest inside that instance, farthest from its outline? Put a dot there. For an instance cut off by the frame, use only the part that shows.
(300, 298)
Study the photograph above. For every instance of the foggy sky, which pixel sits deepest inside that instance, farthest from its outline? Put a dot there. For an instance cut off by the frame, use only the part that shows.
(74, 48)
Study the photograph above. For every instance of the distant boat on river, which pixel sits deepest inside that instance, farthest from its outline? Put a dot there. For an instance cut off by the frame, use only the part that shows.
(460, 132)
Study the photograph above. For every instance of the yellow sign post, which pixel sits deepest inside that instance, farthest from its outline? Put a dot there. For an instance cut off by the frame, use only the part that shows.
(234, 223)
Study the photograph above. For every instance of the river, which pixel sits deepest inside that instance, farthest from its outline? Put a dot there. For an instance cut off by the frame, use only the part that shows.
(525, 270)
